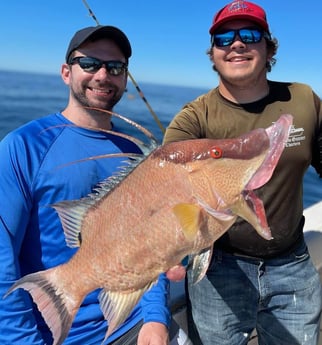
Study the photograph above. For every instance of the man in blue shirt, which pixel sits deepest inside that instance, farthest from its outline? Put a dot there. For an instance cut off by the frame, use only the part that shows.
(38, 169)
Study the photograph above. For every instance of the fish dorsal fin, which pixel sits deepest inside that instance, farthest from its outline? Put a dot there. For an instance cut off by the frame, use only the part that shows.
(72, 212)
(116, 306)
(200, 264)
(188, 216)
(111, 182)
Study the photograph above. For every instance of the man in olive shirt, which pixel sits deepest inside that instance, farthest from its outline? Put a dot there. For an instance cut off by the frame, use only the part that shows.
(271, 286)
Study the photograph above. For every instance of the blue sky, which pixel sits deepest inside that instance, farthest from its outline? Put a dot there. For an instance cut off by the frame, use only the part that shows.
(169, 37)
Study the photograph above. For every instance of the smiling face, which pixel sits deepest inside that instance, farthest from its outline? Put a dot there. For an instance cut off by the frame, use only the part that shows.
(96, 89)
(240, 64)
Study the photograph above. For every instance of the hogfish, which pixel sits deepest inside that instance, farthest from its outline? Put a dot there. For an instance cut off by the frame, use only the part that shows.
(175, 202)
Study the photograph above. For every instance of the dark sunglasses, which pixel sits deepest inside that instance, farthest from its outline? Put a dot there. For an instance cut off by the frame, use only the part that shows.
(246, 35)
(92, 65)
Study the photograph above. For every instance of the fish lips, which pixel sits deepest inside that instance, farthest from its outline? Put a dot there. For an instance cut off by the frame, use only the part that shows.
(278, 134)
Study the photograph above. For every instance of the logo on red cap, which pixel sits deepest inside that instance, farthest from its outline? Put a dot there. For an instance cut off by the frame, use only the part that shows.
(238, 6)
(240, 10)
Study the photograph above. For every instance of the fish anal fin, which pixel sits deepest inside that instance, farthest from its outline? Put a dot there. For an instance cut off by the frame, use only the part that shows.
(50, 302)
(116, 306)
(188, 216)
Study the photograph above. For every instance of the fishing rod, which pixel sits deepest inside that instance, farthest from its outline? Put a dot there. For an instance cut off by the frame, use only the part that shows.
(156, 119)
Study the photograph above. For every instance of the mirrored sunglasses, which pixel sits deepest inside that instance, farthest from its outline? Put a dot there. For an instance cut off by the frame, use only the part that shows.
(92, 65)
(246, 35)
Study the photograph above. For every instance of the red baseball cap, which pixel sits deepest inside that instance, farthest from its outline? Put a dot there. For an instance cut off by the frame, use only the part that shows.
(240, 10)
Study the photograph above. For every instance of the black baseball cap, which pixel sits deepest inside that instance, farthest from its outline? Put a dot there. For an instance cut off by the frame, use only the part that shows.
(100, 31)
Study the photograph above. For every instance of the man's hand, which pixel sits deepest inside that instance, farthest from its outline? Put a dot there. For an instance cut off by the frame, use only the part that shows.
(176, 273)
(153, 333)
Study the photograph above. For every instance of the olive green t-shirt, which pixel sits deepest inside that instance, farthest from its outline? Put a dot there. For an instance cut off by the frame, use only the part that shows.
(212, 116)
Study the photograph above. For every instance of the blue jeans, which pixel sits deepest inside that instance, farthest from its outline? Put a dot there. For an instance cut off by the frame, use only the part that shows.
(281, 298)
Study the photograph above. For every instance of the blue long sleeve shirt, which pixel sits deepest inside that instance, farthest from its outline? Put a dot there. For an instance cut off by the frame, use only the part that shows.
(39, 166)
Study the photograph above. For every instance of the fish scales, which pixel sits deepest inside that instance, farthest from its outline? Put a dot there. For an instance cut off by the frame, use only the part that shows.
(135, 216)
(176, 202)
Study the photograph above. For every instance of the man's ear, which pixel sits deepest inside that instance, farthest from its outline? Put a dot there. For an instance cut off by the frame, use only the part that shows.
(65, 73)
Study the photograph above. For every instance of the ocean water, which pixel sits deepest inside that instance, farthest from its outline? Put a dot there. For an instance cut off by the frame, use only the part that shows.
(27, 96)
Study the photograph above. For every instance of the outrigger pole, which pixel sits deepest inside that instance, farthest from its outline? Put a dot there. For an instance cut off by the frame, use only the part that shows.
(91, 13)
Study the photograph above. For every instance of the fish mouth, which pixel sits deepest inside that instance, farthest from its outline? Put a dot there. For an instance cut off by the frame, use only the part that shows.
(250, 207)
(278, 134)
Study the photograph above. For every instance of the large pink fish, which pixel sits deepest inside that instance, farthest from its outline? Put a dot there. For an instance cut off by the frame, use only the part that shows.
(174, 203)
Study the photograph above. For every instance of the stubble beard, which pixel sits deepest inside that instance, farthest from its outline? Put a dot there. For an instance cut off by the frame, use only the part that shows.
(83, 101)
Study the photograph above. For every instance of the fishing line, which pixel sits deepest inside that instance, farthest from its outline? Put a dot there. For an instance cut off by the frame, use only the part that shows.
(91, 13)
(156, 119)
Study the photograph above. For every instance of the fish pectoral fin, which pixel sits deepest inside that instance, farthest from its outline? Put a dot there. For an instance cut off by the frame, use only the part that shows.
(188, 216)
(116, 306)
(200, 264)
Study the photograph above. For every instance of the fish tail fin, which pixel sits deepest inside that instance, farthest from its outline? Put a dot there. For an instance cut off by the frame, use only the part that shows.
(51, 302)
